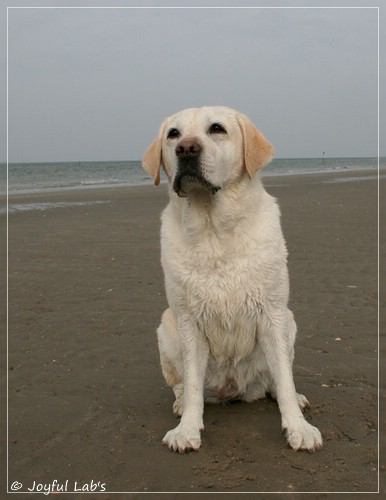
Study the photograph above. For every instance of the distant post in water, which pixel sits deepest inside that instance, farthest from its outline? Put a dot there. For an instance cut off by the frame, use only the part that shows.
(323, 157)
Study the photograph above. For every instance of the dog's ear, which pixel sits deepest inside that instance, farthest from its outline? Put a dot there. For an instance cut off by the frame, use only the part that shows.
(152, 159)
(258, 151)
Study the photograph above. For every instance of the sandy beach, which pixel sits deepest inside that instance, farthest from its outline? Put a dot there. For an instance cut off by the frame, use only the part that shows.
(87, 400)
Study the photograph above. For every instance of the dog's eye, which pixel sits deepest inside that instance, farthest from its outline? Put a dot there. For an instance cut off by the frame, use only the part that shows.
(216, 128)
(173, 133)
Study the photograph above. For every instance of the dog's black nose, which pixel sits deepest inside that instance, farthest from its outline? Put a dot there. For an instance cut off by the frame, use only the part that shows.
(188, 149)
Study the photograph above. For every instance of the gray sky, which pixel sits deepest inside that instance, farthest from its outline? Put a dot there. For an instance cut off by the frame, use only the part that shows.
(95, 84)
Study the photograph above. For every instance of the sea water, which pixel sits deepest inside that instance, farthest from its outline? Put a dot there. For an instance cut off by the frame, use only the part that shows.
(29, 177)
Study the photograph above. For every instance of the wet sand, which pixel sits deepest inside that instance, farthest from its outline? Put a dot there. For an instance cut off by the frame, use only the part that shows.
(87, 401)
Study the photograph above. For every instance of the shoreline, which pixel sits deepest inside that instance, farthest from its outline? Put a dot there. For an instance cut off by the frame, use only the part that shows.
(273, 180)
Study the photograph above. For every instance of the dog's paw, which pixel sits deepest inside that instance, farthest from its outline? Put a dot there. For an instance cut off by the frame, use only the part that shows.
(303, 436)
(302, 402)
(183, 439)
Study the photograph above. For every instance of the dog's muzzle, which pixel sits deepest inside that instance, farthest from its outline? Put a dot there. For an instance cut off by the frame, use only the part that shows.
(189, 174)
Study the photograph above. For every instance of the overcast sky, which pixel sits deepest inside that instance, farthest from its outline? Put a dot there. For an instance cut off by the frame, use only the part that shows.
(95, 84)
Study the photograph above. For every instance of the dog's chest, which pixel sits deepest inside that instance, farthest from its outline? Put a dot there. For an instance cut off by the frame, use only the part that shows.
(221, 285)
(221, 290)
(225, 301)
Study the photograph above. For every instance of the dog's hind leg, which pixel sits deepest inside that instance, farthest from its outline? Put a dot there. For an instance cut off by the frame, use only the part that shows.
(302, 400)
(171, 358)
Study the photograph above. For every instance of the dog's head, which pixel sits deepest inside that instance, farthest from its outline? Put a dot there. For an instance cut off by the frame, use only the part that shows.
(206, 149)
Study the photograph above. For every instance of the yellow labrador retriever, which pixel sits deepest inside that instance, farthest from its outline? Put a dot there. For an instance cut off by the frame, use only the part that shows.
(228, 331)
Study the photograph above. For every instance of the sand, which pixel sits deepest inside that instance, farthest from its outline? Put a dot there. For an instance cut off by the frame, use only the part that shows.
(87, 402)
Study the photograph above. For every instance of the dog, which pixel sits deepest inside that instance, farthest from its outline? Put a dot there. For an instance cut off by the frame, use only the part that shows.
(228, 333)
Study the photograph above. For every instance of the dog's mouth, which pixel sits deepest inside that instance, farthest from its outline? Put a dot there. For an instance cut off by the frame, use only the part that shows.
(189, 178)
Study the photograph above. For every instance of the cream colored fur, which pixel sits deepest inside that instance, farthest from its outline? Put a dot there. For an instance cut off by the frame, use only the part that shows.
(228, 331)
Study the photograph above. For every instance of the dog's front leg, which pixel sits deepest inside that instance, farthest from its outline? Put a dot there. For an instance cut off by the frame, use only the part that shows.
(195, 351)
(273, 338)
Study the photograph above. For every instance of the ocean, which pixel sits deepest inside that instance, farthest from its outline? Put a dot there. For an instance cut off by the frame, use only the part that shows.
(35, 177)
